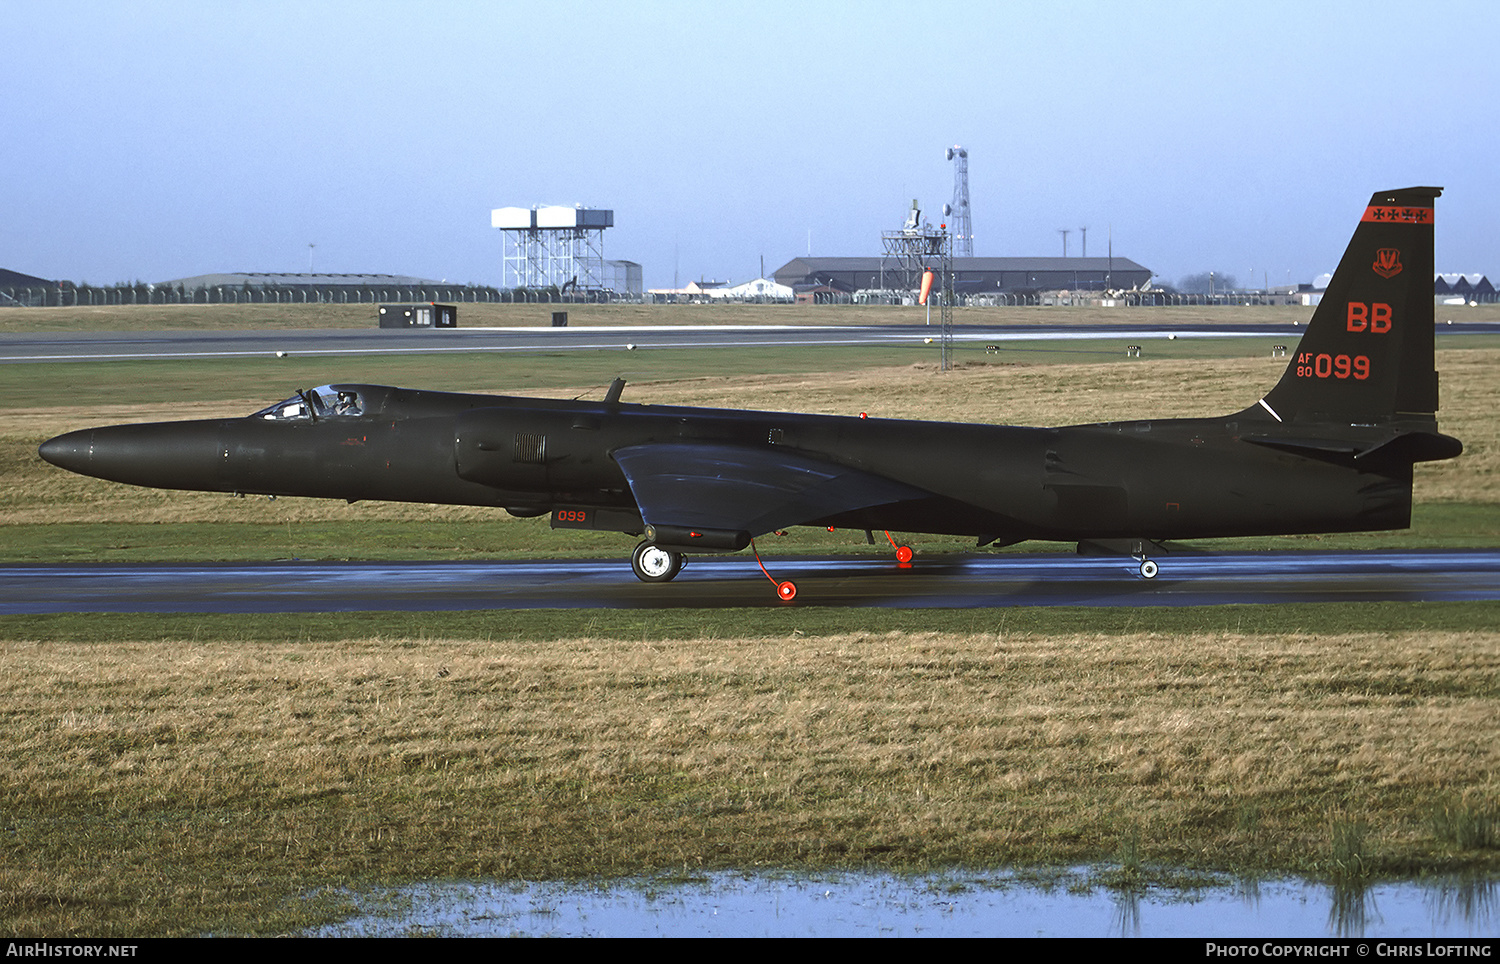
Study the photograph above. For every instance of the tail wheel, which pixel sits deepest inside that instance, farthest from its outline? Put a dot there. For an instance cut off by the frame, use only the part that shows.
(1149, 569)
(652, 563)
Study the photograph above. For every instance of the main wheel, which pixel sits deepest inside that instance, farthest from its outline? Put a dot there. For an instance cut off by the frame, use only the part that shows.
(652, 563)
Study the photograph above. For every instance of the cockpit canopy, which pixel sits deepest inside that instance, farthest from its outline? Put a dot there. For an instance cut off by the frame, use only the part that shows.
(325, 401)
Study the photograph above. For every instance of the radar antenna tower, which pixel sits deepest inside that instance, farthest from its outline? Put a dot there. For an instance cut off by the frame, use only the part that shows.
(958, 210)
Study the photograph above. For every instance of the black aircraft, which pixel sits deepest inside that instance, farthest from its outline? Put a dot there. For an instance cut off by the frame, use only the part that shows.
(1329, 449)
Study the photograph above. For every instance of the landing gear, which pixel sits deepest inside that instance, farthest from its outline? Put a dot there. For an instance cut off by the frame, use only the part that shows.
(652, 563)
(1137, 549)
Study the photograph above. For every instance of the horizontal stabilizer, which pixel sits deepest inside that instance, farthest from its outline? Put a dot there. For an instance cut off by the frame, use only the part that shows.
(1417, 447)
(1327, 445)
(1397, 447)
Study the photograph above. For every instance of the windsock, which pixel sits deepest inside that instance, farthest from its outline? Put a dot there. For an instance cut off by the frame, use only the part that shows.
(926, 286)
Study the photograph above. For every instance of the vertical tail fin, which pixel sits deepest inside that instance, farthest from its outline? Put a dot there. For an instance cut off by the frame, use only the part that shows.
(1367, 354)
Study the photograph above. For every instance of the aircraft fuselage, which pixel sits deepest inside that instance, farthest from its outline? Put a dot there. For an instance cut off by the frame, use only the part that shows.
(1168, 479)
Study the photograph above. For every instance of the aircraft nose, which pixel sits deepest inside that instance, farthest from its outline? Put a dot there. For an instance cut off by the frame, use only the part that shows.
(181, 455)
(70, 451)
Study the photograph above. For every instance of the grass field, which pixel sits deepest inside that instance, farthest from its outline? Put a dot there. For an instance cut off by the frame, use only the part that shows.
(197, 774)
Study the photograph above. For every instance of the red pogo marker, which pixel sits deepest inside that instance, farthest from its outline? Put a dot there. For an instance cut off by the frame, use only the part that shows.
(903, 553)
(786, 590)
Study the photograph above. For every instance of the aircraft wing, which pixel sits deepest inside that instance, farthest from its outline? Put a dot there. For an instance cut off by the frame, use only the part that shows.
(735, 491)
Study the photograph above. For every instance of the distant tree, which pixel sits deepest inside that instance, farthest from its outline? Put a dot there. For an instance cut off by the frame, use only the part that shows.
(1198, 284)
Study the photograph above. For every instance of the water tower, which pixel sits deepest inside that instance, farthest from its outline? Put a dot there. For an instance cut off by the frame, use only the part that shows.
(553, 246)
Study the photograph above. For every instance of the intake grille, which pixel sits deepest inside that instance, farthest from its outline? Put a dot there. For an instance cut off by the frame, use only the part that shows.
(531, 448)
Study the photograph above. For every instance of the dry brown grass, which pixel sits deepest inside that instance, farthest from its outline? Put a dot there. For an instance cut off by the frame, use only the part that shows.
(169, 787)
(1470, 385)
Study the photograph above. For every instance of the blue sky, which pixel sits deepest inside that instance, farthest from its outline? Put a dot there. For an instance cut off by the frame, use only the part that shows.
(160, 140)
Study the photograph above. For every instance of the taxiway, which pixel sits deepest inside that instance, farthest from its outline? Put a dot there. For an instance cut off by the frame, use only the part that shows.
(939, 581)
(123, 346)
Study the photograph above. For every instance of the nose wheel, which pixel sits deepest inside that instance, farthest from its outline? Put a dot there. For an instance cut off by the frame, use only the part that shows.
(652, 563)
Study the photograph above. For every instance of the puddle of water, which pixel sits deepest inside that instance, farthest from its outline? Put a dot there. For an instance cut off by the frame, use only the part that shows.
(945, 905)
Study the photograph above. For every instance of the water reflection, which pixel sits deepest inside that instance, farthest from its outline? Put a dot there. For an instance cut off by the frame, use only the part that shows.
(1351, 910)
(1127, 917)
(1074, 903)
(1468, 900)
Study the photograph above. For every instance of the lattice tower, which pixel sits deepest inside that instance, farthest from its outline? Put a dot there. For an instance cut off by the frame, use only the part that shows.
(958, 210)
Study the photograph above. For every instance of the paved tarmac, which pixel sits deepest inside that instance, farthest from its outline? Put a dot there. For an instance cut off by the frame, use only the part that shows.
(933, 582)
(120, 346)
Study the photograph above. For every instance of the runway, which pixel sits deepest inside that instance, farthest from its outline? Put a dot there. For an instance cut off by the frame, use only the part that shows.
(22, 347)
(934, 582)
(123, 346)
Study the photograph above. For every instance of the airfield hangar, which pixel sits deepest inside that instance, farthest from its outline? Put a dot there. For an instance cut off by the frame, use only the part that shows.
(972, 276)
(247, 287)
